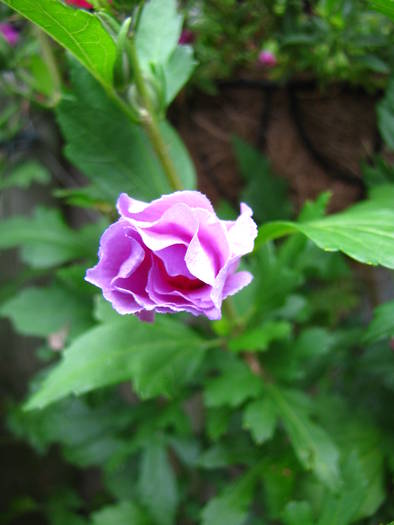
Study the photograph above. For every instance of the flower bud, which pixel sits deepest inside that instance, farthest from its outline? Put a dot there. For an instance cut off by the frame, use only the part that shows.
(10, 35)
(187, 37)
(267, 58)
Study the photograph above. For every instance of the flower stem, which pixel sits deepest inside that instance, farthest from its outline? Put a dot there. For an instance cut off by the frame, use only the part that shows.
(150, 122)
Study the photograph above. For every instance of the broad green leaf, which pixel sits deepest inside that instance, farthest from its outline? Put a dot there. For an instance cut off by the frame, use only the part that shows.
(78, 31)
(23, 175)
(44, 311)
(157, 483)
(177, 70)
(158, 32)
(382, 324)
(298, 513)
(44, 238)
(235, 385)
(312, 445)
(385, 111)
(259, 339)
(365, 232)
(266, 194)
(127, 349)
(114, 153)
(122, 513)
(384, 6)
(259, 418)
(232, 506)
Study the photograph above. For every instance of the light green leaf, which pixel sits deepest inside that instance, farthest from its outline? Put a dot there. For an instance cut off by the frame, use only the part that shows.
(259, 339)
(23, 175)
(231, 507)
(235, 385)
(158, 32)
(298, 513)
(45, 239)
(78, 31)
(44, 311)
(110, 150)
(365, 232)
(157, 483)
(122, 513)
(382, 325)
(260, 419)
(312, 445)
(127, 349)
(177, 70)
(384, 6)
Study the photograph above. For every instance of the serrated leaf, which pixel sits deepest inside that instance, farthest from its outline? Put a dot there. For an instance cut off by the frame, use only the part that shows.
(120, 514)
(114, 153)
(259, 339)
(235, 385)
(231, 507)
(127, 349)
(364, 232)
(312, 445)
(382, 324)
(44, 238)
(23, 175)
(157, 483)
(44, 311)
(78, 31)
(259, 418)
(158, 32)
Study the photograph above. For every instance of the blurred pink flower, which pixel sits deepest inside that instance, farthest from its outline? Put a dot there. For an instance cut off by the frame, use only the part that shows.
(10, 34)
(80, 3)
(187, 37)
(172, 255)
(267, 58)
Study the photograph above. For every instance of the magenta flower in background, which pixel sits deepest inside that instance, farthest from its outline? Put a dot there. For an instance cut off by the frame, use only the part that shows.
(187, 37)
(80, 3)
(267, 58)
(172, 255)
(10, 34)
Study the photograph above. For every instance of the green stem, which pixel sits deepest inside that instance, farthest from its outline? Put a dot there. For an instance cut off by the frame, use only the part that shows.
(150, 122)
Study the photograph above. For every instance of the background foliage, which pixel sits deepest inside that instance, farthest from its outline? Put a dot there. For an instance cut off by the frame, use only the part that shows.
(280, 411)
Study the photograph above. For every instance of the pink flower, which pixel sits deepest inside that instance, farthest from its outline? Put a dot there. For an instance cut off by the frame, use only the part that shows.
(172, 255)
(10, 34)
(80, 3)
(187, 37)
(267, 58)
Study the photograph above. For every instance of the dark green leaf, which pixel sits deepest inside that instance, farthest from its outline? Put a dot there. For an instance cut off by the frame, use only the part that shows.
(122, 350)
(157, 483)
(125, 512)
(23, 175)
(259, 339)
(298, 513)
(382, 325)
(260, 419)
(384, 6)
(385, 111)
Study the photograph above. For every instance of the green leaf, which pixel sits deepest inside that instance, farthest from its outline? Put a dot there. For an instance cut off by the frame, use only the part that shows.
(157, 483)
(158, 32)
(260, 419)
(44, 311)
(78, 31)
(266, 194)
(110, 150)
(385, 111)
(23, 175)
(177, 70)
(384, 6)
(365, 232)
(158, 363)
(312, 445)
(235, 385)
(122, 513)
(45, 239)
(382, 325)
(231, 507)
(298, 513)
(259, 339)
